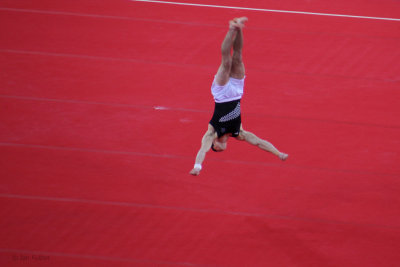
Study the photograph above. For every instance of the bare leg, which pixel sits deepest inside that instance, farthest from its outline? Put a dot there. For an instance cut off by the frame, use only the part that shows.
(263, 144)
(224, 69)
(237, 69)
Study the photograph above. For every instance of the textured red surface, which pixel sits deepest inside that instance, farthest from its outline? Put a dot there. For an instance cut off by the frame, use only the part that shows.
(103, 105)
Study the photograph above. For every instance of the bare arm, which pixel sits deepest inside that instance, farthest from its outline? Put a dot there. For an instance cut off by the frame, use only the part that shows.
(206, 143)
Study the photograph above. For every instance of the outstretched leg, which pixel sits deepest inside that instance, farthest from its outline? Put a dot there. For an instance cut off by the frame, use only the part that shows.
(230, 41)
(237, 69)
(224, 69)
(263, 144)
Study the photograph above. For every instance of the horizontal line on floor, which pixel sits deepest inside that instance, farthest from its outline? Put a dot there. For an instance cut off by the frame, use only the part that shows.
(165, 108)
(268, 10)
(184, 209)
(191, 158)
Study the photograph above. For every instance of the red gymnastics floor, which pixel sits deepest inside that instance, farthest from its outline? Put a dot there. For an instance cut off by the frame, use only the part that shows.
(103, 105)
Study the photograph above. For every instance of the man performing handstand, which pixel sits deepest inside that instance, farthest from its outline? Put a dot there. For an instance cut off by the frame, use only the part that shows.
(227, 89)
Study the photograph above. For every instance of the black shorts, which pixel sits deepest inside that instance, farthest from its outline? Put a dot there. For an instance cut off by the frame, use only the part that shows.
(227, 118)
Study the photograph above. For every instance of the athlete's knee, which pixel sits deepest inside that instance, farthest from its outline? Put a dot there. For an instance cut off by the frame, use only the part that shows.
(237, 69)
(249, 137)
(226, 62)
(237, 59)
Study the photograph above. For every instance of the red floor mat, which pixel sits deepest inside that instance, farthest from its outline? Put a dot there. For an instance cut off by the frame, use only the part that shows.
(103, 105)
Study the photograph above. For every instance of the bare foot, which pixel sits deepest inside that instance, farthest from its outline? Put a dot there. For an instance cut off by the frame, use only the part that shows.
(195, 171)
(233, 25)
(240, 21)
(283, 156)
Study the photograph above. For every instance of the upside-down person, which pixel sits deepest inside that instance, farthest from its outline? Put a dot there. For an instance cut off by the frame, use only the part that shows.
(227, 89)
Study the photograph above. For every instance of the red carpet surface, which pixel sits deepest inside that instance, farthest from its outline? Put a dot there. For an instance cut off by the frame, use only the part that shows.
(103, 105)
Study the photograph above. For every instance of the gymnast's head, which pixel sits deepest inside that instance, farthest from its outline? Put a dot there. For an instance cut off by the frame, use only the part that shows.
(218, 146)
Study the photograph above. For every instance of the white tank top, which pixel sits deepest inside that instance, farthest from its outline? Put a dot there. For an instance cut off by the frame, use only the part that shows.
(233, 90)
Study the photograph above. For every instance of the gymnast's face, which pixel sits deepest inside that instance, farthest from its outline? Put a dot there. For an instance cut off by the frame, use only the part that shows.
(218, 145)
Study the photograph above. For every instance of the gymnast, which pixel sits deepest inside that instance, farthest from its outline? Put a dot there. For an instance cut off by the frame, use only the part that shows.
(227, 90)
